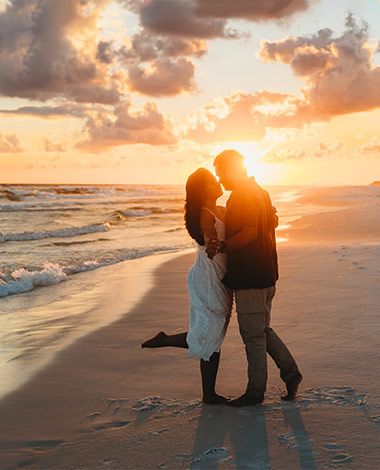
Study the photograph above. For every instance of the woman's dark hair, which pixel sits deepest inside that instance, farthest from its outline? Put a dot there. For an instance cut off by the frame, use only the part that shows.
(195, 200)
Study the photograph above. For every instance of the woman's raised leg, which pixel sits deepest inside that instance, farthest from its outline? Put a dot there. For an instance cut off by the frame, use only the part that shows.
(162, 340)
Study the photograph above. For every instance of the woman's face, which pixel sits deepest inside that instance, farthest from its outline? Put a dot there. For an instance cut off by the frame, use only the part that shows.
(213, 188)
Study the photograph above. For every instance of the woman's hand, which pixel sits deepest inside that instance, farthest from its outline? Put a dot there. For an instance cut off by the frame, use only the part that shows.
(212, 247)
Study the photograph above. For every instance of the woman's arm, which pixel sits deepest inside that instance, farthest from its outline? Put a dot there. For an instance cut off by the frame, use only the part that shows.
(207, 223)
(221, 212)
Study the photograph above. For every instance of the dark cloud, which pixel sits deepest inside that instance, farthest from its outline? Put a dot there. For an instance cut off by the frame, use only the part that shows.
(126, 126)
(250, 10)
(46, 111)
(146, 46)
(104, 53)
(208, 19)
(163, 77)
(10, 143)
(179, 18)
(159, 65)
(41, 56)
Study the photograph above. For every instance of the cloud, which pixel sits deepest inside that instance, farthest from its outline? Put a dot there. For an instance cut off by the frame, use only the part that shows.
(313, 151)
(159, 65)
(280, 155)
(47, 112)
(53, 146)
(372, 148)
(104, 52)
(339, 77)
(49, 49)
(237, 117)
(338, 71)
(146, 46)
(250, 10)
(127, 126)
(164, 77)
(179, 18)
(208, 19)
(10, 143)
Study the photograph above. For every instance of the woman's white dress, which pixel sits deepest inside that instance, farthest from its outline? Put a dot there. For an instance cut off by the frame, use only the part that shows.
(210, 301)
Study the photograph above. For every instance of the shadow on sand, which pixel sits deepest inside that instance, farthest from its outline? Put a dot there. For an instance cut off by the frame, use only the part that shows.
(239, 437)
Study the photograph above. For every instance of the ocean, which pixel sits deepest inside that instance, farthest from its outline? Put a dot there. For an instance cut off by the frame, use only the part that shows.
(49, 233)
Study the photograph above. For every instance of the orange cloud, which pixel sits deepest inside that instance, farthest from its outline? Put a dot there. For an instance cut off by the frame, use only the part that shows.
(164, 77)
(339, 76)
(127, 126)
(237, 116)
(338, 71)
(53, 146)
(10, 143)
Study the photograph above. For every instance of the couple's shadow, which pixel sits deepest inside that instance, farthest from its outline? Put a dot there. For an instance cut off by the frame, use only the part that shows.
(239, 436)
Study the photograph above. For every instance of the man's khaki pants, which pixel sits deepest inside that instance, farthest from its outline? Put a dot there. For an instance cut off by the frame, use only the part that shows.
(253, 311)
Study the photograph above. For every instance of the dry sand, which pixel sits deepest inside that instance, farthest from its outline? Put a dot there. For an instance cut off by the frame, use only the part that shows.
(102, 402)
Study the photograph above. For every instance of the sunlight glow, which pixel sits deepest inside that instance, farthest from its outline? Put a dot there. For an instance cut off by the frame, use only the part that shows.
(265, 173)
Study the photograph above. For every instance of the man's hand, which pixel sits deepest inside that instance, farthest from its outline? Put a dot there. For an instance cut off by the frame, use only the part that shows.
(212, 247)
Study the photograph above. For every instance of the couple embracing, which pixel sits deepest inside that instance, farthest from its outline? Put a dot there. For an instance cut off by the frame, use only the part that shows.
(236, 257)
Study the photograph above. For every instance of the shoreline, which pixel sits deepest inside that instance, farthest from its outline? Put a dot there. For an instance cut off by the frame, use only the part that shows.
(63, 316)
(105, 402)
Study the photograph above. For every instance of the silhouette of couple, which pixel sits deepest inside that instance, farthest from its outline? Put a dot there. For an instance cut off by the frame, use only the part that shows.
(236, 257)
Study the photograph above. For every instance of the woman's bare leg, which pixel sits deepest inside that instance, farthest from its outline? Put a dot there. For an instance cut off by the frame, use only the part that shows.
(209, 371)
(162, 340)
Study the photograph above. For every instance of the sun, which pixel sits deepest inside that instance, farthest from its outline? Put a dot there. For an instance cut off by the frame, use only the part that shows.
(264, 173)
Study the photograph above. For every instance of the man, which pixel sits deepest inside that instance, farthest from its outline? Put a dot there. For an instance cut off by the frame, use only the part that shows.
(252, 272)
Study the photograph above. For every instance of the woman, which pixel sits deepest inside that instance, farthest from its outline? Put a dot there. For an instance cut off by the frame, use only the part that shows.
(210, 300)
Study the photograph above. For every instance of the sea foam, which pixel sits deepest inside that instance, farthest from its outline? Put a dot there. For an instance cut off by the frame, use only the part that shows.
(24, 280)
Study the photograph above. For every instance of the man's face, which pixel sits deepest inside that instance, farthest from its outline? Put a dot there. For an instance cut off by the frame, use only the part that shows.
(224, 177)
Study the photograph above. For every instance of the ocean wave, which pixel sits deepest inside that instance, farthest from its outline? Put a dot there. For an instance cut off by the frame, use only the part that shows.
(78, 242)
(177, 229)
(66, 205)
(21, 192)
(141, 211)
(64, 232)
(24, 280)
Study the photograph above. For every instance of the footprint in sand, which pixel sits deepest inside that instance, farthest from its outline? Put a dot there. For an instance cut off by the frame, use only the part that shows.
(358, 267)
(26, 462)
(91, 416)
(212, 454)
(42, 445)
(110, 462)
(339, 457)
(106, 425)
(37, 447)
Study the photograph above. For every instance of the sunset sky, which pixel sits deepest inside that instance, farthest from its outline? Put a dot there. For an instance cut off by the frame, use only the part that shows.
(146, 91)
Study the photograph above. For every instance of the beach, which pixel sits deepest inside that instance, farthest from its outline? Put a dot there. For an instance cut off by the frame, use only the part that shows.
(96, 400)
